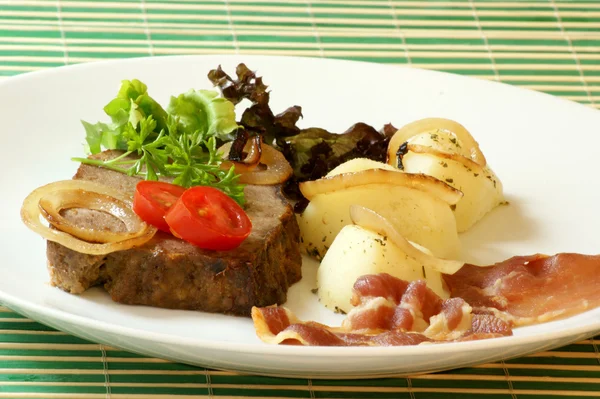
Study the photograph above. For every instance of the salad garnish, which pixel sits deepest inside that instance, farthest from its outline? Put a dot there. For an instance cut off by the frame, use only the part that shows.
(179, 142)
(312, 152)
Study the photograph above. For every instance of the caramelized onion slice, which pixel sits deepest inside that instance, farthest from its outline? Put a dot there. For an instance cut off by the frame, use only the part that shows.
(381, 176)
(253, 149)
(373, 221)
(31, 213)
(405, 133)
(422, 149)
(278, 169)
(272, 168)
(54, 202)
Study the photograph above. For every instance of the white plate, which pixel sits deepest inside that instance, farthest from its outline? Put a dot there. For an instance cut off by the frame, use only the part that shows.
(544, 149)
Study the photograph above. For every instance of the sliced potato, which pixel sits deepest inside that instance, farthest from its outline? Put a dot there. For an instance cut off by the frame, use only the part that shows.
(356, 252)
(440, 153)
(482, 190)
(443, 133)
(417, 215)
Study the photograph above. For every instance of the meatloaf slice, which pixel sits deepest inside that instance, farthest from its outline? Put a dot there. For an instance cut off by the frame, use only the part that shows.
(170, 273)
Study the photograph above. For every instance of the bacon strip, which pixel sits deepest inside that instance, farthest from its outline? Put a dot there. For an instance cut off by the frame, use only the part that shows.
(488, 324)
(384, 302)
(379, 285)
(486, 302)
(453, 321)
(530, 289)
(388, 312)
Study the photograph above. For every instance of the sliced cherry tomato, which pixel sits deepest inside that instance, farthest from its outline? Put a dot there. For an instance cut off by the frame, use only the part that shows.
(209, 218)
(152, 200)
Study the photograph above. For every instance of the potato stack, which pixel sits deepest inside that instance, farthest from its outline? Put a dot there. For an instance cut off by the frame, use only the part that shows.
(401, 218)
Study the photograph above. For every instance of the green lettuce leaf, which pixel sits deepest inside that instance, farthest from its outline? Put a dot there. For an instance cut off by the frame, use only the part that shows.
(102, 135)
(203, 111)
(133, 103)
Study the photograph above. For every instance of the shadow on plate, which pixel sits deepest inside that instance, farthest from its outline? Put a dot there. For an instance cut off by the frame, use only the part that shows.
(489, 240)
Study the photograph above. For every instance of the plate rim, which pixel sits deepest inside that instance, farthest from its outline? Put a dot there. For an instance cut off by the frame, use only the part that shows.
(406, 67)
(263, 348)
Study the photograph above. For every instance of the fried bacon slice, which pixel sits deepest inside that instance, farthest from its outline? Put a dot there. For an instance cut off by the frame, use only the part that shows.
(388, 312)
(530, 289)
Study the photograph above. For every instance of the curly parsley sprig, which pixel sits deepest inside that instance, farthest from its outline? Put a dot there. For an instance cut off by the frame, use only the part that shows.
(189, 158)
(185, 147)
(192, 160)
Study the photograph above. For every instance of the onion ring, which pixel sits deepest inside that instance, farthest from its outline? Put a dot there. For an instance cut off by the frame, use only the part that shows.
(30, 214)
(381, 176)
(373, 221)
(277, 170)
(54, 202)
(421, 149)
(253, 149)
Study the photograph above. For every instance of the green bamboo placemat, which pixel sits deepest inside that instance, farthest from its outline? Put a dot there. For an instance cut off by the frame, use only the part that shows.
(552, 46)
(39, 362)
(546, 45)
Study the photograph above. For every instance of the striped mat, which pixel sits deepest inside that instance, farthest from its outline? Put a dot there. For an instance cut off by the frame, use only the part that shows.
(546, 45)
(39, 362)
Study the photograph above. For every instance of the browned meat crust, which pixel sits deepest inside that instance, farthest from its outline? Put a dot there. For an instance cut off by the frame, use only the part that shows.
(169, 273)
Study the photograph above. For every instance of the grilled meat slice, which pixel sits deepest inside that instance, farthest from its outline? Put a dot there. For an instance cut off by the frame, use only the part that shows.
(170, 273)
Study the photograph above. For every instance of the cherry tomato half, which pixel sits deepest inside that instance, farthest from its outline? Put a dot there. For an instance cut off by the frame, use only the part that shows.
(152, 200)
(209, 218)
